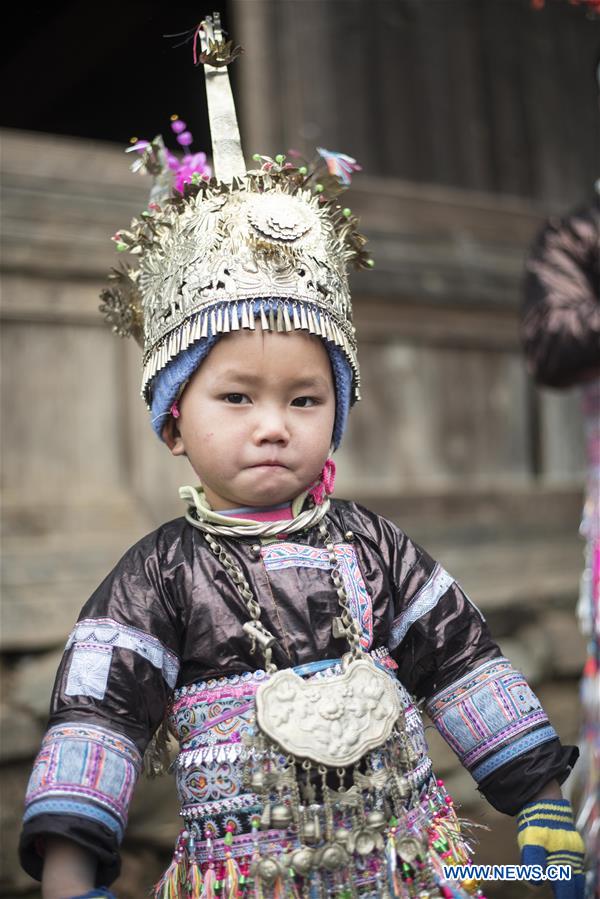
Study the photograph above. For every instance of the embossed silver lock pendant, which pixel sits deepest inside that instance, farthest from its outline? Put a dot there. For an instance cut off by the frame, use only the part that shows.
(333, 722)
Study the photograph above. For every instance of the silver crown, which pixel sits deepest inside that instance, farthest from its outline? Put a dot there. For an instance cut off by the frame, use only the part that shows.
(271, 243)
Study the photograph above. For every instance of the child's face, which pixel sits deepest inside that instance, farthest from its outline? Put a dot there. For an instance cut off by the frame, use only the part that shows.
(257, 418)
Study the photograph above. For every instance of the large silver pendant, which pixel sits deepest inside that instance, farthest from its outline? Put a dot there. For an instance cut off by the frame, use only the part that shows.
(332, 722)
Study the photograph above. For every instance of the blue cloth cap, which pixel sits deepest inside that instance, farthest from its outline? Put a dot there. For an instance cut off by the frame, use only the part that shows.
(168, 381)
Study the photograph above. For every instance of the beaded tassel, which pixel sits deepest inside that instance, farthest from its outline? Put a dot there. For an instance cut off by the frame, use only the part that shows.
(391, 857)
(208, 886)
(232, 877)
(194, 874)
(232, 872)
(170, 884)
(208, 889)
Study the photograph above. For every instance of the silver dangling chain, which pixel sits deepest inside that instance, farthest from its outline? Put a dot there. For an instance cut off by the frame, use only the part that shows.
(343, 627)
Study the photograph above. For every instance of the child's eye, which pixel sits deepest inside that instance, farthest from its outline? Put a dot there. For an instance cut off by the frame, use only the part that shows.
(304, 401)
(236, 399)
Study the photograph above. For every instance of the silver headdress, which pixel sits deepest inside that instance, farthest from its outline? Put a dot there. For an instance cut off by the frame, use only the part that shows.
(210, 256)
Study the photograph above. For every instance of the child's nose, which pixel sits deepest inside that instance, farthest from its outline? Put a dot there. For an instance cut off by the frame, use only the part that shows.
(271, 426)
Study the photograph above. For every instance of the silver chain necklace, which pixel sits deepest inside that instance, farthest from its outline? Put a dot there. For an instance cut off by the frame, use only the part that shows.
(350, 726)
(343, 627)
(197, 518)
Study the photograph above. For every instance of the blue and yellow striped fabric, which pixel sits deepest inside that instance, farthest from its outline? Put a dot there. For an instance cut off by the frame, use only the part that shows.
(547, 836)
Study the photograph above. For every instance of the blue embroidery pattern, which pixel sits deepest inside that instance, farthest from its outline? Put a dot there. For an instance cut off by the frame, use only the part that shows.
(210, 718)
(294, 555)
(490, 716)
(84, 770)
(423, 602)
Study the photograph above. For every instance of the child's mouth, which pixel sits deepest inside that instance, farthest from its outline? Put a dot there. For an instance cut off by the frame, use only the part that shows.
(269, 465)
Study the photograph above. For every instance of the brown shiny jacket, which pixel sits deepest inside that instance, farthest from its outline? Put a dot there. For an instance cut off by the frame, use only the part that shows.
(171, 587)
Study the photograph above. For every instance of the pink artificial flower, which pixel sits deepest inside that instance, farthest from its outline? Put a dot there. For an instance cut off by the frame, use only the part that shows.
(339, 165)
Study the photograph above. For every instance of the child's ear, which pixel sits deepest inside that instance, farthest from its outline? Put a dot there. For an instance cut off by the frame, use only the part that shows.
(172, 437)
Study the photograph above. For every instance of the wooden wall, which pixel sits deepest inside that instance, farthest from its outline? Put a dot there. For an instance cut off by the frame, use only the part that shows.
(479, 94)
(467, 117)
(450, 440)
(449, 427)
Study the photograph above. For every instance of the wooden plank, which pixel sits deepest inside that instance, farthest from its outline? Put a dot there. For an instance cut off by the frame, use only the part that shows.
(434, 325)
(258, 99)
(437, 417)
(475, 513)
(468, 101)
(149, 461)
(53, 301)
(562, 436)
(59, 391)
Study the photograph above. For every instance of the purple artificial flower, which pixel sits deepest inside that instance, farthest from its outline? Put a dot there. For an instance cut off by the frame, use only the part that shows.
(189, 165)
(183, 169)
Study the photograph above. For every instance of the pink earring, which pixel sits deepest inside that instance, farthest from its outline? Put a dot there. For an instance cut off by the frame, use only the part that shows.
(325, 484)
(174, 410)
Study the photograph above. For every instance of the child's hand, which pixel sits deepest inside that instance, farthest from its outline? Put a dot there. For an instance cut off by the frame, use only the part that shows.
(99, 893)
(547, 836)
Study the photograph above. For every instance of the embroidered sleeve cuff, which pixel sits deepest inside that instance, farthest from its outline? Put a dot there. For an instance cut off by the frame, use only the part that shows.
(86, 772)
(489, 717)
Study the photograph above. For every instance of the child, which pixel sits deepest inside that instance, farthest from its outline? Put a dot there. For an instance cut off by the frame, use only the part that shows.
(281, 635)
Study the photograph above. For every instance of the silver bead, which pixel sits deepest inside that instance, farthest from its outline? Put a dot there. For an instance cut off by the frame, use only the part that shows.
(349, 536)
(301, 860)
(333, 857)
(403, 787)
(268, 870)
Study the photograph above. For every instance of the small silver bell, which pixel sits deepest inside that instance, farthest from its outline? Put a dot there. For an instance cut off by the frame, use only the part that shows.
(343, 836)
(281, 817)
(408, 848)
(257, 781)
(376, 820)
(364, 842)
(311, 832)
